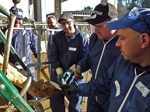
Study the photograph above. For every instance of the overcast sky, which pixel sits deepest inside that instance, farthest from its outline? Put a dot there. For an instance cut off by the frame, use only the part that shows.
(69, 5)
(66, 6)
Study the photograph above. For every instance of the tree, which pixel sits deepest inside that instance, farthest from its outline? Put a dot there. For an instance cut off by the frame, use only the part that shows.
(25, 19)
(146, 3)
(131, 4)
(88, 8)
(135, 3)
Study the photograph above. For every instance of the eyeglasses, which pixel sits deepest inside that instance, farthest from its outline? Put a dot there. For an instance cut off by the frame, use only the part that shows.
(64, 23)
(134, 13)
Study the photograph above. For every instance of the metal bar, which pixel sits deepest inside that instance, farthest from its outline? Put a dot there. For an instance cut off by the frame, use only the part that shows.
(4, 11)
(8, 90)
(38, 55)
(8, 43)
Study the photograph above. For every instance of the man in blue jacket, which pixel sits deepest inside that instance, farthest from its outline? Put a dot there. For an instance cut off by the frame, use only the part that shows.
(24, 43)
(102, 51)
(68, 48)
(127, 80)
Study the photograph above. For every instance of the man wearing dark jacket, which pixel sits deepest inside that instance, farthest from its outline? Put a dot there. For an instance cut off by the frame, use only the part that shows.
(68, 47)
(127, 79)
(102, 51)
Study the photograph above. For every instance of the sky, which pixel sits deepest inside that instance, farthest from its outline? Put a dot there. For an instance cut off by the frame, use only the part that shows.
(69, 5)
(78, 4)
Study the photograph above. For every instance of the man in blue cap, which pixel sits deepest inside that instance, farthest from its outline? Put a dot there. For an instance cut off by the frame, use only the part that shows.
(127, 80)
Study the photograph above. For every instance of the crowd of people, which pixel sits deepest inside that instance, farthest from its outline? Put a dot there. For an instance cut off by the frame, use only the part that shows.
(117, 53)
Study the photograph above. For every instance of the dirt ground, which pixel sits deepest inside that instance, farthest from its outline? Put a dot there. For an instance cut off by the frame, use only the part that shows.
(45, 75)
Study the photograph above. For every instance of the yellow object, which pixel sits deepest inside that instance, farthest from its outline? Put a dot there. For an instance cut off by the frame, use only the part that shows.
(16, 1)
(59, 71)
(13, 74)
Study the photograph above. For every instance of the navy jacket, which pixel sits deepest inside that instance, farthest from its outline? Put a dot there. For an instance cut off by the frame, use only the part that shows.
(129, 91)
(100, 55)
(99, 58)
(50, 39)
(65, 52)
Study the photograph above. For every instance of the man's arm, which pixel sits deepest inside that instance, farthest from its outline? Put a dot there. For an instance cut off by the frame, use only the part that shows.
(99, 86)
(54, 53)
(85, 62)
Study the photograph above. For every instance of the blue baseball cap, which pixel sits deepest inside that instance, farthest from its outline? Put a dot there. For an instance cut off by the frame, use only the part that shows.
(20, 14)
(137, 19)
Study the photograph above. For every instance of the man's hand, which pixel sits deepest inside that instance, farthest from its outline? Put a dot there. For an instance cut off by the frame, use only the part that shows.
(69, 88)
(62, 78)
(59, 72)
(78, 73)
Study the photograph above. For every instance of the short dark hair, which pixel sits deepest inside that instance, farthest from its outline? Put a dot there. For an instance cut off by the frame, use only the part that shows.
(50, 16)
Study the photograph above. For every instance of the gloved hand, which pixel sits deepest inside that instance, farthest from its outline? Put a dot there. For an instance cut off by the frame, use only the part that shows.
(59, 72)
(70, 88)
(66, 76)
(78, 73)
(35, 55)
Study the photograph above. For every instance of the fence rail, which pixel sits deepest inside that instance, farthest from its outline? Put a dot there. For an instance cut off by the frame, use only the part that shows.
(42, 32)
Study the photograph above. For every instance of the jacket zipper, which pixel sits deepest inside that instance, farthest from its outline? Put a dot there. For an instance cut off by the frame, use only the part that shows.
(133, 83)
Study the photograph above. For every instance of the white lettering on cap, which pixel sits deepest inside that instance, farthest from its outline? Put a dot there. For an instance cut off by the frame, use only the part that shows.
(97, 12)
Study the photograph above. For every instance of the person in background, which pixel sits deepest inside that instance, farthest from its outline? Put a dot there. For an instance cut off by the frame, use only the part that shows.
(68, 47)
(102, 51)
(52, 23)
(127, 80)
(23, 41)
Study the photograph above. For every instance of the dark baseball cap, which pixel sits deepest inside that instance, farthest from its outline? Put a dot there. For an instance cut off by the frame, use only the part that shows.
(102, 12)
(65, 16)
(137, 19)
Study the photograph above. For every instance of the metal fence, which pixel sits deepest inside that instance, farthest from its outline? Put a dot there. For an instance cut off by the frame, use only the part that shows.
(42, 32)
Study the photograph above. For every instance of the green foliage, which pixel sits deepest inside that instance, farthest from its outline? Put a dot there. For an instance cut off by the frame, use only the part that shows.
(146, 3)
(135, 3)
(88, 8)
(25, 19)
(131, 5)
